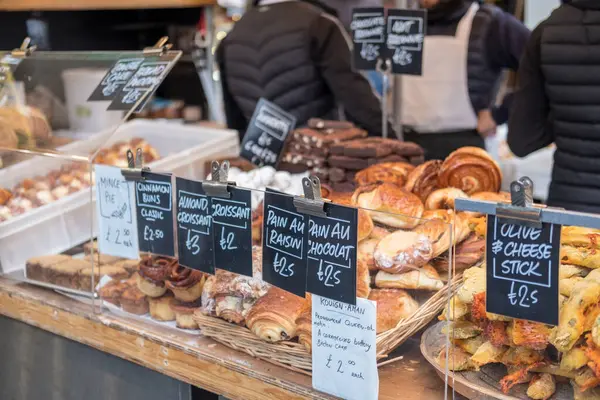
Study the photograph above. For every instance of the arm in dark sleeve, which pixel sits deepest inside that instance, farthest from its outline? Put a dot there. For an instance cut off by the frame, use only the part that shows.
(234, 116)
(331, 53)
(528, 128)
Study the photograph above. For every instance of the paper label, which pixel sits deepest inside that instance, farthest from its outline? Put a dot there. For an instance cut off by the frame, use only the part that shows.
(344, 362)
(118, 235)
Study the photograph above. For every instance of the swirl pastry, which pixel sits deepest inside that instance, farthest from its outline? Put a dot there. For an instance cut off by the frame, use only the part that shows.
(273, 317)
(393, 305)
(424, 179)
(472, 170)
(394, 172)
(398, 208)
(154, 271)
(444, 198)
(402, 250)
(185, 283)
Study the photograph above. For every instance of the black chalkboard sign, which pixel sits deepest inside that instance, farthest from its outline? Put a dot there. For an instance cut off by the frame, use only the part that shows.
(284, 241)
(154, 212)
(266, 134)
(143, 83)
(232, 227)
(194, 226)
(116, 77)
(522, 270)
(331, 253)
(405, 36)
(368, 36)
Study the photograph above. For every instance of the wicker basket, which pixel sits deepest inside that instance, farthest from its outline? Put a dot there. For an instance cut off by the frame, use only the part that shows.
(294, 356)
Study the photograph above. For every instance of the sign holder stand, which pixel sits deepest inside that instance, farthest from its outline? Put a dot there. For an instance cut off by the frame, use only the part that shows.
(135, 167)
(312, 203)
(217, 186)
(384, 67)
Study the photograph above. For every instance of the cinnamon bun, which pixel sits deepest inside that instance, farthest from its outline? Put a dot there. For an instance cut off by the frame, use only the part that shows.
(472, 170)
(185, 283)
(154, 271)
(424, 179)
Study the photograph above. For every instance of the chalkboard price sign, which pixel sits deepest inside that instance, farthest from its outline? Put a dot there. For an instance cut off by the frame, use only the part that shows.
(522, 270)
(331, 252)
(405, 35)
(115, 78)
(368, 36)
(284, 241)
(266, 134)
(155, 214)
(194, 226)
(232, 219)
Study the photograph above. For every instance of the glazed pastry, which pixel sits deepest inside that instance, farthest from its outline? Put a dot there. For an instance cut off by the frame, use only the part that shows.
(472, 170)
(401, 251)
(184, 314)
(85, 275)
(154, 271)
(425, 278)
(396, 173)
(393, 305)
(424, 179)
(304, 328)
(37, 267)
(398, 208)
(365, 253)
(185, 283)
(160, 308)
(134, 301)
(273, 317)
(444, 198)
(438, 233)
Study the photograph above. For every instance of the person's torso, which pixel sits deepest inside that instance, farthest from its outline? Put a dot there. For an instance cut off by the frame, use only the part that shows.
(269, 54)
(570, 61)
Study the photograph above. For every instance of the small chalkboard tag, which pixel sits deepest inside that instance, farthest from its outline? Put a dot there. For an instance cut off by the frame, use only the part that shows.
(232, 219)
(368, 36)
(284, 241)
(142, 84)
(405, 36)
(155, 214)
(344, 348)
(522, 270)
(266, 134)
(118, 234)
(117, 76)
(331, 253)
(194, 226)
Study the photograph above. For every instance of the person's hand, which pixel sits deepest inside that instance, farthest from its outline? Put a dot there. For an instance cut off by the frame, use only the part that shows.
(486, 126)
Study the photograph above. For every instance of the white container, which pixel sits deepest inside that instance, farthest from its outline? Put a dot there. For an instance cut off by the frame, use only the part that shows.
(66, 223)
(84, 115)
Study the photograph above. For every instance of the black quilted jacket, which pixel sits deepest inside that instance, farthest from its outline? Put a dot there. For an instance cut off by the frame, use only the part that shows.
(297, 56)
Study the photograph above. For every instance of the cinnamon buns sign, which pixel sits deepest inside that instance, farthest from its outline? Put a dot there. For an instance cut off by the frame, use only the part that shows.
(522, 270)
(331, 253)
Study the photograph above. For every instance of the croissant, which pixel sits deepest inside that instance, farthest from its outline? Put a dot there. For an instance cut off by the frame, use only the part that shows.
(424, 179)
(472, 170)
(398, 208)
(393, 172)
(444, 198)
(273, 317)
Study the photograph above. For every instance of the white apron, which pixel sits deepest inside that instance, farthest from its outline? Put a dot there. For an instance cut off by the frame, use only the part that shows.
(438, 101)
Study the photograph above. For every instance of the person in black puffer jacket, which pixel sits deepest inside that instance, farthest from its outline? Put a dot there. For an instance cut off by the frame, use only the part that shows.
(297, 55)
(558, 101)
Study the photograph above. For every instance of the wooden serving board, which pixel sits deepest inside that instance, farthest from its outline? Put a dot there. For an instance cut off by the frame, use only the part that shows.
(478, 385)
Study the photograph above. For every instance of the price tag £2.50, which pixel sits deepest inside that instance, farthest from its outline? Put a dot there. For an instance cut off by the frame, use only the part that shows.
(118, 235)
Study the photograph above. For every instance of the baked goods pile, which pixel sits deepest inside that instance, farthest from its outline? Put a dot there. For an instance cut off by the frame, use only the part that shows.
(535, 354)
(70, 178)
(23, 127)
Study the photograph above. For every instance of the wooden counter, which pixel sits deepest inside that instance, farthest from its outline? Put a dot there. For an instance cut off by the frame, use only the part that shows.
(195, 359)
(71, 5)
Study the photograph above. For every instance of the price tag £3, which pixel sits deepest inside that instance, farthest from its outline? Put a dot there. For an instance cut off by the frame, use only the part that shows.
(118, 235)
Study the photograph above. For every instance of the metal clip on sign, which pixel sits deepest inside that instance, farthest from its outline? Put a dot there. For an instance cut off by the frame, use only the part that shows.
(160, 48)
(25, 49)
(218, 185)
(135, 170)
(521, 211)
(311, 203)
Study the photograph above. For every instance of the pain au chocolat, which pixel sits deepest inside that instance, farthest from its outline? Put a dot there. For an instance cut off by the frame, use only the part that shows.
(390, 205)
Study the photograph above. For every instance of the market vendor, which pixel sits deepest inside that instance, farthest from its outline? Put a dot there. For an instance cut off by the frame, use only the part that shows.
(297, 55)
(558, 101)
(466, 48)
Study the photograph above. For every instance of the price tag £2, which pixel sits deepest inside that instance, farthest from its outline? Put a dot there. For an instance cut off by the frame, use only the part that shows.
(118, 235)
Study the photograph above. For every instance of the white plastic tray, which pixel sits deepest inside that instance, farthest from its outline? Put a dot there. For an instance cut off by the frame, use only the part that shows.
(66, 223)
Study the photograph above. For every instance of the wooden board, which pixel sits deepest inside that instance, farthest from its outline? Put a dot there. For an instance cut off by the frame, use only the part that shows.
(56, 5)
(196, 359)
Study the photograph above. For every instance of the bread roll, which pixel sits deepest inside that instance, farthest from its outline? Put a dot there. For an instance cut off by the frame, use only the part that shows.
(444, 198)
(472, 170)
(425, 278)
(401, 250)
(273, 317)
(398, 208)
(424, 179)
(393, 305)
